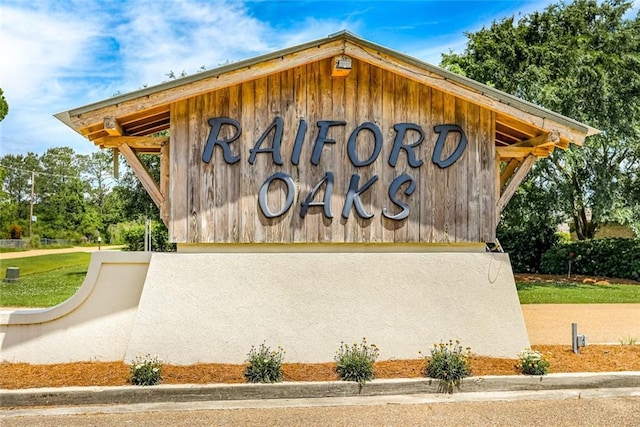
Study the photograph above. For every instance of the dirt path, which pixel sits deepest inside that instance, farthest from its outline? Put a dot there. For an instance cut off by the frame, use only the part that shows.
(36, 252)
(601, 323)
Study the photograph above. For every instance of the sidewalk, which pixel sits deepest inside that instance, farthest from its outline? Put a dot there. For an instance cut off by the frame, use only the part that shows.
(37, 252)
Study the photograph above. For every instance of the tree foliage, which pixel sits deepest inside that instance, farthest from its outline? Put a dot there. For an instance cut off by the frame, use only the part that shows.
(74, 196)
(529, 226)
(582, 60)
(4, 106)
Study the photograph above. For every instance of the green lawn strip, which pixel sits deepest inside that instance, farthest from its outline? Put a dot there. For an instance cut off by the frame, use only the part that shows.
(577, 293)
(45, 280)
(45, 263)
(43, 289)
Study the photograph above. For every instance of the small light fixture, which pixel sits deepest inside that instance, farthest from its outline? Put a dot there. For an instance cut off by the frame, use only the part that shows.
(341, 66)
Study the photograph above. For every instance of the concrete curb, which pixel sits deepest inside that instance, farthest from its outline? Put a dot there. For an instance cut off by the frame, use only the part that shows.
(74, 396)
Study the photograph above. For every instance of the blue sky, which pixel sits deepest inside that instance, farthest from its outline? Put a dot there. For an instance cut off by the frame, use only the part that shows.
(58, 55)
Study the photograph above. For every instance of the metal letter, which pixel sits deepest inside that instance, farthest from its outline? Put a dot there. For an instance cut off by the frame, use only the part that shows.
(278, 124)
(326, 200)
(297, 146)
(401, 130)
(351, 144)
(353, 197)
(262, 196)
(216, 124)
(323, 128)
(443, 131)
(393, 190)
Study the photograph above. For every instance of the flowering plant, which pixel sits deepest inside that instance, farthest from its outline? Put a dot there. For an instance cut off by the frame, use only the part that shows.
(531, 362)
(355, 363)
(146, 370)
(448, 363)
(265, 365)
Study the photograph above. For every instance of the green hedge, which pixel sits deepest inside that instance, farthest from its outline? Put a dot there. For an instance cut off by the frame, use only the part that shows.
(604, 257)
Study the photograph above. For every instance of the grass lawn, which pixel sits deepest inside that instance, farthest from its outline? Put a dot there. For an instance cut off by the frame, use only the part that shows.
(45, 280)
(576, 293)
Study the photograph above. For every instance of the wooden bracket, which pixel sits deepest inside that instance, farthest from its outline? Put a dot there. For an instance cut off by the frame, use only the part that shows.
(549, 138)
(142, 173)
(147, 143)
(513, 184)
(507, 171)
(539, 146)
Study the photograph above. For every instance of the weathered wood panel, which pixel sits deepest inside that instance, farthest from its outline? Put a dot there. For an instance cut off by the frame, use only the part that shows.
(219, 201)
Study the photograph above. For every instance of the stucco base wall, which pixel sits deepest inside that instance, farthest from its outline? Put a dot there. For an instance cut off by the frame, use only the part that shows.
(213, 307)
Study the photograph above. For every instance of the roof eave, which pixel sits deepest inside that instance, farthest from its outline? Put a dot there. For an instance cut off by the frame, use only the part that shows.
(483, 89)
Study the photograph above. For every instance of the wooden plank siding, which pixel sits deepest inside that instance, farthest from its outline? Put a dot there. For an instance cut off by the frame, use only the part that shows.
(217, 202)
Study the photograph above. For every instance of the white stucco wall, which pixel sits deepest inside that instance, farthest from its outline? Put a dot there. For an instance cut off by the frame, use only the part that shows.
(213, 307)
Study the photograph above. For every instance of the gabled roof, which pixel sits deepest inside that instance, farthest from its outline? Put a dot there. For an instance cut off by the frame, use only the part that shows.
(522, 128)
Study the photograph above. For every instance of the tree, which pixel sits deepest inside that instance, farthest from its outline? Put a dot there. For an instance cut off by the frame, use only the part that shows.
(17, 172)
(528, 227)
(136, 202)
(582, 60)
(4, 106)
(62, 195)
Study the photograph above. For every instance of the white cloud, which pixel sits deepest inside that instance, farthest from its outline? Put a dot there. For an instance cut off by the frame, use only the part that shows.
(38, 45)
(158, 37)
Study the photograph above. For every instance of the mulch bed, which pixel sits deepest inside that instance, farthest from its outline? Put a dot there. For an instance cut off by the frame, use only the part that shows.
(594, 358)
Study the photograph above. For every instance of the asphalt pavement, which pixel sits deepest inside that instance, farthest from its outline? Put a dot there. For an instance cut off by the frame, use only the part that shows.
(591, 407)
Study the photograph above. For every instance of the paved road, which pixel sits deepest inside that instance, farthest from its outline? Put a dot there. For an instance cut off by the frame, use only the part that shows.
(610, 407)
(36, 252)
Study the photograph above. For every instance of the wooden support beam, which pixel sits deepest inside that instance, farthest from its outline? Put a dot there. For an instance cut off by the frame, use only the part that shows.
(165, 182)
(513, 184)
(135, 142)
(550, 138)
(112, 127)
(143, 174)
(511, 152)
(507, 171)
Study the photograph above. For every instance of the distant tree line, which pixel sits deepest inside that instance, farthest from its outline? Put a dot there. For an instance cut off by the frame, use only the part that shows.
(72, 196)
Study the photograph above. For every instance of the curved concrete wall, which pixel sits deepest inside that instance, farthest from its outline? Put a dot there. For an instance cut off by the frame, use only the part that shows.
(94, 324)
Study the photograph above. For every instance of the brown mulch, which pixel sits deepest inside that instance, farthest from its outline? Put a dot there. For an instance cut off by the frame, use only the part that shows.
(594, 358)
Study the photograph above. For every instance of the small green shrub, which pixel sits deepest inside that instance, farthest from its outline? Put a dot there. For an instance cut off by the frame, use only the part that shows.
(265, 365)
(448, 363)
(355, 363)
(146, 370)
(627, 341)
(134, 238)
(531, 362)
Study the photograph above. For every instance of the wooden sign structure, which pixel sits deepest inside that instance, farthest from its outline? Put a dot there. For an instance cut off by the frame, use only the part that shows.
(306, 112)
(323, 193)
